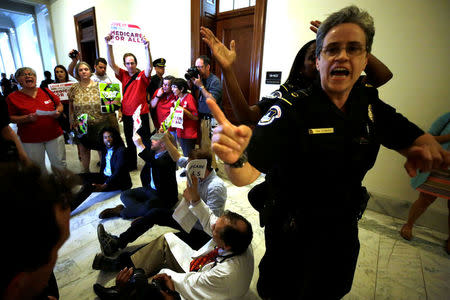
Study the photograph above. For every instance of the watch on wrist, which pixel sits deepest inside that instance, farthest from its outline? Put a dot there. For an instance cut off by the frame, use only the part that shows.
(240, 162)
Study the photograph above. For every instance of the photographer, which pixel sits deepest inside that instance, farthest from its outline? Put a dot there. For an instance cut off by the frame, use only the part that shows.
(209, 86)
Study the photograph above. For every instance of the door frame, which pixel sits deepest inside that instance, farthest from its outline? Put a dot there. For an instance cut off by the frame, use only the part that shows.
(257, 48)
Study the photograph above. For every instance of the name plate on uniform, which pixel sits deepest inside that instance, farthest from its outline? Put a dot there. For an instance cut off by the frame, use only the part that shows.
(320, 130)
(273, 77)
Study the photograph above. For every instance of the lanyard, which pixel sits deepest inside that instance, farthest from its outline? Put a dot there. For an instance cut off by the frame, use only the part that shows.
(168, 121)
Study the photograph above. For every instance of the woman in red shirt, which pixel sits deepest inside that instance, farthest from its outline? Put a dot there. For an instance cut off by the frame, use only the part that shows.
(36, 111)
(188, 135)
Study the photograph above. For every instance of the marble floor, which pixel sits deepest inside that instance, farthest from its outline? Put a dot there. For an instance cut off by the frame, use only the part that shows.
(388, 266)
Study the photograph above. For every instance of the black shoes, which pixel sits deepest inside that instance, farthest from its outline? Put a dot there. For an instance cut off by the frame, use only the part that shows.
(109, 244)
(104, 263)
(111, 212)
(105, 293)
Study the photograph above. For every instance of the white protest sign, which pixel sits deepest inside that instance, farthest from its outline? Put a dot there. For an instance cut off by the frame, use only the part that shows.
(137, 122)
(61, 89)
(178, 118)
(196, 167)
(124, 33)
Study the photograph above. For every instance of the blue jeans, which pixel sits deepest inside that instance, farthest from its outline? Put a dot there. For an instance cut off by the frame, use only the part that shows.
(138, 202)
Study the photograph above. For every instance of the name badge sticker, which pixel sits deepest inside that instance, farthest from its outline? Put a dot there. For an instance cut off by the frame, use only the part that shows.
(320, 130)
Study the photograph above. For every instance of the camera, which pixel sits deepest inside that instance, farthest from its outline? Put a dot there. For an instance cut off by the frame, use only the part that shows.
(73, 54)
(192, 72)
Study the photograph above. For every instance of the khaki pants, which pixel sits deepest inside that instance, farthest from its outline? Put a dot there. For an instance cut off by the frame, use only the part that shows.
(205, 142)
(156, 256)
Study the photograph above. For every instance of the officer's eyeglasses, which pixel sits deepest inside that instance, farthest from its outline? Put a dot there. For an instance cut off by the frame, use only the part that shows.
(352, 50)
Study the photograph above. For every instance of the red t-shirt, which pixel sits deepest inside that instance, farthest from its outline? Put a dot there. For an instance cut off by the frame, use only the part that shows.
(189, 130)
(136, 92)
(163, 106)
(45, 128)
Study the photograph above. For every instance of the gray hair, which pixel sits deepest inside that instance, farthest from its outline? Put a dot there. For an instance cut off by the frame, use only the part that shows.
(21, 71)
(78, 66)
(349, 14)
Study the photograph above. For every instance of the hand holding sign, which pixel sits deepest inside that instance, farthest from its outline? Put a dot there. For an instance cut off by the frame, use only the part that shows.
(196, 168)
(191, 194)
(228, 141)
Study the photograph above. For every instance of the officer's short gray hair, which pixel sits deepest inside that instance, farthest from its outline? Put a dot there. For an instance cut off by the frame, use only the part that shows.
(349, 14)
(21, 71)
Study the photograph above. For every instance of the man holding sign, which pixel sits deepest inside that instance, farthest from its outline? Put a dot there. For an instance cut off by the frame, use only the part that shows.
(134, 83)
(208, 187)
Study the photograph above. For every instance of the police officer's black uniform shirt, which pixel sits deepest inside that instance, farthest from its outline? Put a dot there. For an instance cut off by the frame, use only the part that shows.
(155, 83)
(313, 149)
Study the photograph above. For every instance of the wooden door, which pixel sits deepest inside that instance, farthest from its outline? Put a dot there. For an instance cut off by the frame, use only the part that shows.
(86, 30)
(237, 26)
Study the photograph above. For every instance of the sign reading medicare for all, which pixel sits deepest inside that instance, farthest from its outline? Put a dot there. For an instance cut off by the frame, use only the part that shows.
(125, 33)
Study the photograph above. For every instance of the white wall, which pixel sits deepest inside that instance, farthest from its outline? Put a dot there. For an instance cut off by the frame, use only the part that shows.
(166, 24)
(411, 39)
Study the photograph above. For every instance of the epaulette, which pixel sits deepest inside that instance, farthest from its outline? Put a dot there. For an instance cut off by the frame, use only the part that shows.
(295, 95)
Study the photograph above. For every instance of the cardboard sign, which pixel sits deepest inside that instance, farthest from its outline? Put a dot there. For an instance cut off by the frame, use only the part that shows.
(61, 89)
(137, 122)
(124, 33)
(110, 97)
(196, 167)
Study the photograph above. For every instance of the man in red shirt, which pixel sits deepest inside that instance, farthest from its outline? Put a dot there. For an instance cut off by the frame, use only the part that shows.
(134, 84)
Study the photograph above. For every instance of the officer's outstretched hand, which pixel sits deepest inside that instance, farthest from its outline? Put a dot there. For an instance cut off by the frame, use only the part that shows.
(228, 141)
(224, 56)
(425, 156)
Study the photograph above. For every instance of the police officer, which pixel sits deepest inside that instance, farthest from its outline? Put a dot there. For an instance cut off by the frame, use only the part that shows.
(155, 83)
(334, 132)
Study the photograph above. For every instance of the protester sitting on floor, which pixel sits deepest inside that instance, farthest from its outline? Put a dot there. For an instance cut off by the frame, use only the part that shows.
(210, 189)
(159, 183)
(43, 202)
(221, 269)
(113, 175)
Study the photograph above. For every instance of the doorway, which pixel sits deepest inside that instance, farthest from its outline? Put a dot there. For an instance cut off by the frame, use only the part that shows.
(246, 27)
(86, 31)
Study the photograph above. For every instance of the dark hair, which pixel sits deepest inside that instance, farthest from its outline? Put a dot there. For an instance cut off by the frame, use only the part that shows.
(65, 71)
(100, 60)
(129, 54)
(237, 240)
(206, 60)
(117, 139)
(202, 154)
(169, 77)
(47, 74)
(34, 196)
(181, 84)
(295, 75)
(349, 14)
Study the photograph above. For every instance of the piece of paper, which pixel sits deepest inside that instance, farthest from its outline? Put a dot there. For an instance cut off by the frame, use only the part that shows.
(137, 122)
(184, 216)
(196, 167)
(110, 97)
(45, 112)
(61, 89)
(124, 33)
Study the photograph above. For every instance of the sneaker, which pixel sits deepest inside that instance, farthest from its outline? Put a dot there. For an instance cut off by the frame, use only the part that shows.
(111, 212)
(109, 244)
(104, 263)
(106, 293)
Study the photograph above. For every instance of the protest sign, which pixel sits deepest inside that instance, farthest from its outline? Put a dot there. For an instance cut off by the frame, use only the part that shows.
(124, 33)
(178, 118)
(196, 167)
(110, 97)
(61, 89)
(82, 124)
(167, 123)
(137, 122)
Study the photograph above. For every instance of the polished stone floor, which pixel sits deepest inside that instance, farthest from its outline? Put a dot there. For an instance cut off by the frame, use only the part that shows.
(388, 266)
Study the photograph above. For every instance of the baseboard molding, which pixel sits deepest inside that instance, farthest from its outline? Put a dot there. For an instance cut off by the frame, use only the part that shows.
(434, 217)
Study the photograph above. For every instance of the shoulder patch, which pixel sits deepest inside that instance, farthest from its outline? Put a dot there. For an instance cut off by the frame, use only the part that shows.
(274, 95)
(273, 113)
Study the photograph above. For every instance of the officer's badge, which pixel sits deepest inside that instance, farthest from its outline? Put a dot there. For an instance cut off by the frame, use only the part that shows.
(273, 95)
(273, 113)
(370, 113)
